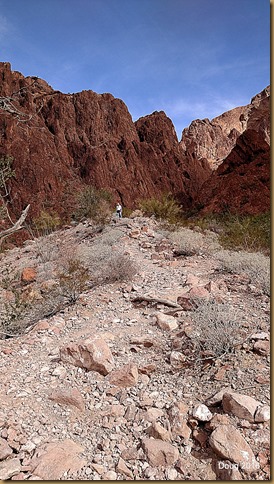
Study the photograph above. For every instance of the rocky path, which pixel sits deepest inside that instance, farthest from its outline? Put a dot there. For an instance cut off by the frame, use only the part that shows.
(102, 390)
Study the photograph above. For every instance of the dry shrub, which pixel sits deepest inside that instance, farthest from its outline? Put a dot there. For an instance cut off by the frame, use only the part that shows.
(73, 279)
(119, 267)
(255, 265)
(216, 328)
(188, 242)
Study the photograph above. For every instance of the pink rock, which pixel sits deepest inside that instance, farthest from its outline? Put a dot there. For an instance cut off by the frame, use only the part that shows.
(28, 275)
(68, 396)
(52, 460)
(160, 453)
(262, 347)
(92, 354)
(5, 449)
(126, 376)
(242, 406)
(166, 322)
(229, 444)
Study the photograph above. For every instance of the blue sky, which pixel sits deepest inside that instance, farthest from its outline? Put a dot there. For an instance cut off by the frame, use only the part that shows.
(191, 58)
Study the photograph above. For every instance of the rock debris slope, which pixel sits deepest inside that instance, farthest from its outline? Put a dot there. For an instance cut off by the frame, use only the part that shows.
(112, 387)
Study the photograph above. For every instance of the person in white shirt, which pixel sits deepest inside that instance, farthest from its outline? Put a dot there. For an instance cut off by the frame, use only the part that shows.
(119, 210)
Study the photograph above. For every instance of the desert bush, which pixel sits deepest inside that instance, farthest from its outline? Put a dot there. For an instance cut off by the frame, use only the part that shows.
(45, 224)
(246, 232)
(187, 241)
(93, 203)
(12, 311)
(73, 279)
(118, 267)
(236, 232)
(216, 328)
(165, 209)
(255, 265)
(20, 308)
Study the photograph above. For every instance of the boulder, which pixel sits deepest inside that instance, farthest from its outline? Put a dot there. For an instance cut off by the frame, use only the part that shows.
(242, 406)
(93, 354)
(160, 453)
(229, 444)
(126, 376)
(53, 459)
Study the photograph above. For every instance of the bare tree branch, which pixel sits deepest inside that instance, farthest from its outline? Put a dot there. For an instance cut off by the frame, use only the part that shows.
(17, 226)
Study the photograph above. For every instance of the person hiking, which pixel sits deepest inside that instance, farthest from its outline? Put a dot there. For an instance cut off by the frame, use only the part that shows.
(119, 210)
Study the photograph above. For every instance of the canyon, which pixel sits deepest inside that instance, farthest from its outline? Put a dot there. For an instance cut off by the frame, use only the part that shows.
(62, 142)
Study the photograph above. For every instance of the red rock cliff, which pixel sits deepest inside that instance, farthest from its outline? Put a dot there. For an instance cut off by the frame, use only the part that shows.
(63, 141)
(242, 182)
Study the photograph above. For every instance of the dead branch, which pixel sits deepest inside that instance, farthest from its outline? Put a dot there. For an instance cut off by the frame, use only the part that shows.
(17, 226)
(155, 300)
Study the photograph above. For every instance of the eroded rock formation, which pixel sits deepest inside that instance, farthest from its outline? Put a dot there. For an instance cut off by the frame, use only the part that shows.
(61, 142)
(242, 182)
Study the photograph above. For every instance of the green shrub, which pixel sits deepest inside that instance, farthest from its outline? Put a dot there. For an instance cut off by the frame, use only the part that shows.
(165, 209)
(93, 203)
(45, 223)
(247, 232)
(237, 232)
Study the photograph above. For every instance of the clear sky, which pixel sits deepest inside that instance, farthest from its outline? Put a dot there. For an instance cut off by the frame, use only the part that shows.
(191, 58)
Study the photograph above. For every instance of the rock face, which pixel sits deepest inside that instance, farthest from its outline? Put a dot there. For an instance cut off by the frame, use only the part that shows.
(242, 182)
(62, 142)
(214, 140)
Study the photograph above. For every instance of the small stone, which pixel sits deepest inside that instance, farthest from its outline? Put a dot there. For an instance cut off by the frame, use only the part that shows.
(202, 413)
(227, 471)
(228, 443)
(157, 431)
(110, 476)
(53, 459)
(260, 336)
(153, 413)
(262, 347)
(9, 468)
(200, 436)
(218, 397)
(217, 419)
(122, 468)
(166, 322)
(98, 468)
(171, 474)
(92, 354)
(68, 396)
(177, 359)
(262, 413)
